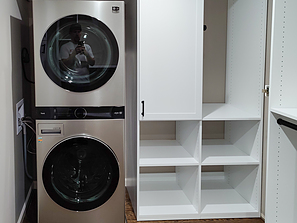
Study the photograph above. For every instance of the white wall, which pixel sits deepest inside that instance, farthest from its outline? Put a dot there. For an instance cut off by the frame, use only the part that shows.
(12, 184)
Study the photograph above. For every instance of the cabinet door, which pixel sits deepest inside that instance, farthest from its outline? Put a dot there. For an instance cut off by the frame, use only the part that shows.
(170, 59)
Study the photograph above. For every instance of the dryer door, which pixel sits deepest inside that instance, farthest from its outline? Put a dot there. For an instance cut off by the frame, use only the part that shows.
(79, 53)
(80, 173)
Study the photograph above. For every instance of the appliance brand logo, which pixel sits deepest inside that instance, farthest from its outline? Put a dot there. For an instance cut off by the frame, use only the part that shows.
(39, 139)
(115, 9)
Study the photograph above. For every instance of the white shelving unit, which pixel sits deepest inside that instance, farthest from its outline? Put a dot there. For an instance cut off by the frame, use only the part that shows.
(281, 189)
(173, 173)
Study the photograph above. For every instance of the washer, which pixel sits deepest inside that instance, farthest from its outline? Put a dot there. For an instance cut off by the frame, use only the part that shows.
(80, 166)
(79, 82)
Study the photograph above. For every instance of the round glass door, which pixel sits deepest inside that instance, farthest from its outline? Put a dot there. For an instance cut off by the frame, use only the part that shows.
(80, 173)
(79, 53)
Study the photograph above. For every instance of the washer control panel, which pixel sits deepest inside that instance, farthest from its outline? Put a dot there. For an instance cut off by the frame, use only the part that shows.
(104, 112)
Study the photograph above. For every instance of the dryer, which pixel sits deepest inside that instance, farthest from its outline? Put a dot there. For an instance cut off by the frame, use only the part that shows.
(80, 166)
(83, 70)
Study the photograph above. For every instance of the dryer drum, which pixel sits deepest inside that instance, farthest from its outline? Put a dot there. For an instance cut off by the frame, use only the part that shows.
(80, 173)
(97, 39)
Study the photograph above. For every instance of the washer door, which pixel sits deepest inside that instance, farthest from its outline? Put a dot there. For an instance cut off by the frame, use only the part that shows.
(79, 53)
(80, 173)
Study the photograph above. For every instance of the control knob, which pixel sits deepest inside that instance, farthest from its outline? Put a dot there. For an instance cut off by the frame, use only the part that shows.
(80, 113)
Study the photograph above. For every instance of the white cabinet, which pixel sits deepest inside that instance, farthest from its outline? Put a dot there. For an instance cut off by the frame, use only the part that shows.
(180, 168)
(281, 199)
(170, 58)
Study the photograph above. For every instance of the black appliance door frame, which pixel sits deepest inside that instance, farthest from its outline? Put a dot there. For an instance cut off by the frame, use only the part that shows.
(50, 58)
(85, 187)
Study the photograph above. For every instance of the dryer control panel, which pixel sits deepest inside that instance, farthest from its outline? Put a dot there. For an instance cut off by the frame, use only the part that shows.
(104, 112)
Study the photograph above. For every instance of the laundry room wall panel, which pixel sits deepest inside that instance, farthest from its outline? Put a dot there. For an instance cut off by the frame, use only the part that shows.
(18, 94)
(16, 189)
(15, 24)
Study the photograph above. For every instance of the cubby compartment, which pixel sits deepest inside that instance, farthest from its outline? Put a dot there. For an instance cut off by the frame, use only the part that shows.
(169, 195)
(240, 145)
(169, 143)
(234, 59)
(232, 193)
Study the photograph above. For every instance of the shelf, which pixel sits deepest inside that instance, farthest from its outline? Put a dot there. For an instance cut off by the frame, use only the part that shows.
(286, 112)
(162, 198)
(221, 112)
(164, 153)
(219, 199)
(221, 152)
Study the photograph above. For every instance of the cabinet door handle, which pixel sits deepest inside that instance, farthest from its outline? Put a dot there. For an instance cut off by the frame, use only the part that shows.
(142, 113)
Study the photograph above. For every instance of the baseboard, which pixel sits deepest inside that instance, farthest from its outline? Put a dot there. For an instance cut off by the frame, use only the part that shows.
(23, 211)
(263, 216)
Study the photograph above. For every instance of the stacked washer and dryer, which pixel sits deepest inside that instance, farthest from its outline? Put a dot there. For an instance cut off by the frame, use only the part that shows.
(80, 108)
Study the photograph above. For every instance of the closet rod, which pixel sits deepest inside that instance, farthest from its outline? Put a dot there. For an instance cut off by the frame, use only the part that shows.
(288, 124)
